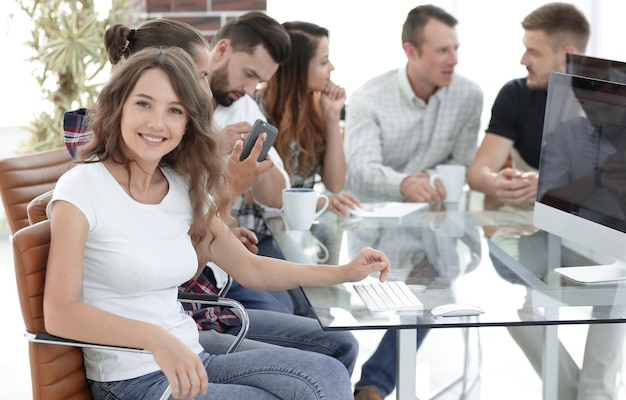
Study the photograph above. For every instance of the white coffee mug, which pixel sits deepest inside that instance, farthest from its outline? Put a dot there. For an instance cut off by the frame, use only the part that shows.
(453, 179)
(299, 208)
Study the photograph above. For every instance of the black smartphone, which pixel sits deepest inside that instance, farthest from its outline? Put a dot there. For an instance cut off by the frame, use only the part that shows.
(259, 127)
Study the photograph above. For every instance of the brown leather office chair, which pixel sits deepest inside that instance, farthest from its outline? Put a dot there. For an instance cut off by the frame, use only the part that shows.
(56, 364)
(57, 372)
(22, 178)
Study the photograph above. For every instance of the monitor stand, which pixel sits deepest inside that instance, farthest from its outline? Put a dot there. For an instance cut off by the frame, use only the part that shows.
(595, 274)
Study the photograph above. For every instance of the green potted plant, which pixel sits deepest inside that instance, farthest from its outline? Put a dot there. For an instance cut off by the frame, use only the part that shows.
(69, 59)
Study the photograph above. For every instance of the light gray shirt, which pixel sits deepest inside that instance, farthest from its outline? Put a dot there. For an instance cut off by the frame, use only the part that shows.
(391, 133)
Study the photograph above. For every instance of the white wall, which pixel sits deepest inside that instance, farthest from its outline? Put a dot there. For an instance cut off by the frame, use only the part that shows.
(21, 97)
(365, 41)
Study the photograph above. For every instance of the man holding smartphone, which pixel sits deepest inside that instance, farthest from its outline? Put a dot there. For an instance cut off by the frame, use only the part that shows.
(244, 53)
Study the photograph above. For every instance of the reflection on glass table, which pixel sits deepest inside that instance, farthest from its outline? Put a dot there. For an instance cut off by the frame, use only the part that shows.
(483, 254)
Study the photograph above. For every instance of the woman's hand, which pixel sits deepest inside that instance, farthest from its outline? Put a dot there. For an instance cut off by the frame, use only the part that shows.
(332, 101)
(183, 368)
(247, 237)
(366, 262)
(342, 203)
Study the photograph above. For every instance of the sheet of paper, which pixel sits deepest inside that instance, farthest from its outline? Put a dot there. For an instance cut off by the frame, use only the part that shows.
(388, 210)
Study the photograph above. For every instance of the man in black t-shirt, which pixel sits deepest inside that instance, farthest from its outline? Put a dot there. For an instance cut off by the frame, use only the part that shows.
(515, 131)
(516, 125)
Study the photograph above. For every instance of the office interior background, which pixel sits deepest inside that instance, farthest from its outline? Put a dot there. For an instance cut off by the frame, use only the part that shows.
(365, 41)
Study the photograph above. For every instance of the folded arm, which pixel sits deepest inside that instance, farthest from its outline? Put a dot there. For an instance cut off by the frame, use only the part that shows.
(486, 174)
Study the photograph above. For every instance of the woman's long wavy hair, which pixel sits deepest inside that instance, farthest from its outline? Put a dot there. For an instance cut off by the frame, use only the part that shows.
(291, 107)
(197, 157)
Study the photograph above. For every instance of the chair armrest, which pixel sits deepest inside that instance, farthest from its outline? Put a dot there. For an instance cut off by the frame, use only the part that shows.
(43, 337)
(190, 297)
(224, 290)
(209, 299)
(46, 338)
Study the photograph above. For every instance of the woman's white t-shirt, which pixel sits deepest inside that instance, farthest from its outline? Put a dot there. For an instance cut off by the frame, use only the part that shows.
(135, 257)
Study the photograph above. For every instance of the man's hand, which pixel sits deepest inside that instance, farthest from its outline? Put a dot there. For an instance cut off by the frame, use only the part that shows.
(416, 187)
(233, 132)
(515, 187)
(242, 175)
(340, 203)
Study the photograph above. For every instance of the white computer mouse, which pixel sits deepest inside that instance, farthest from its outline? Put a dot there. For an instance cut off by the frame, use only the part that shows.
(456, 310)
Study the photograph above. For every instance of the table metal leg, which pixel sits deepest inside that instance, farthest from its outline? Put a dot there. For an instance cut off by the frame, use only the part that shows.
(407, 364)
(550, 367)
(550, 360)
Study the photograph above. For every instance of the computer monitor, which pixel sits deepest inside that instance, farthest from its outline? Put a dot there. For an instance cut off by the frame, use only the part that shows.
(581, 193)
(594, 67)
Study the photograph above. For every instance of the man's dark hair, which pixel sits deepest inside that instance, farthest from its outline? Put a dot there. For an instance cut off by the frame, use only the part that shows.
(413, 28)
(255, 28)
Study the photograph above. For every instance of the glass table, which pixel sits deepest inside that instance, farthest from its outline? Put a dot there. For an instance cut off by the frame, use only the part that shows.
(477, 252)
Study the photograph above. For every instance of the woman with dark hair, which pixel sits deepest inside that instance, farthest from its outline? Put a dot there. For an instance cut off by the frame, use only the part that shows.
(305, 106)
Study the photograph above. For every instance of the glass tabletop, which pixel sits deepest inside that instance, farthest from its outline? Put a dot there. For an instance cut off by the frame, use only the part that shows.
(477, 252)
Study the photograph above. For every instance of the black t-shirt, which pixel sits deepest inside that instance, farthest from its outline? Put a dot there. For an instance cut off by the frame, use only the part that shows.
(517, 114)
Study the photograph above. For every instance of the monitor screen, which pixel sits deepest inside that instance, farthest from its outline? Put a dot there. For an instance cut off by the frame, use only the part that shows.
(594, 67)
(581, 193)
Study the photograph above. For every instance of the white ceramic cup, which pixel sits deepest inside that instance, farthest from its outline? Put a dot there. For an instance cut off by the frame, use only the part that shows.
(453, 179)
(299, 208)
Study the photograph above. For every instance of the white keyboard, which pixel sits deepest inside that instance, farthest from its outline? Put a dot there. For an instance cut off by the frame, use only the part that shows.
(388, 296)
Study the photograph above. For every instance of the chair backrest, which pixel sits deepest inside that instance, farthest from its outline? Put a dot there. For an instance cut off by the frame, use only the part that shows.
(57, 372)
(23, 178)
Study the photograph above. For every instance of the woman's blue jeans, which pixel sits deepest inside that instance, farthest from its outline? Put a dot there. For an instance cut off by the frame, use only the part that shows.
(270, 329)
(277, 373)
